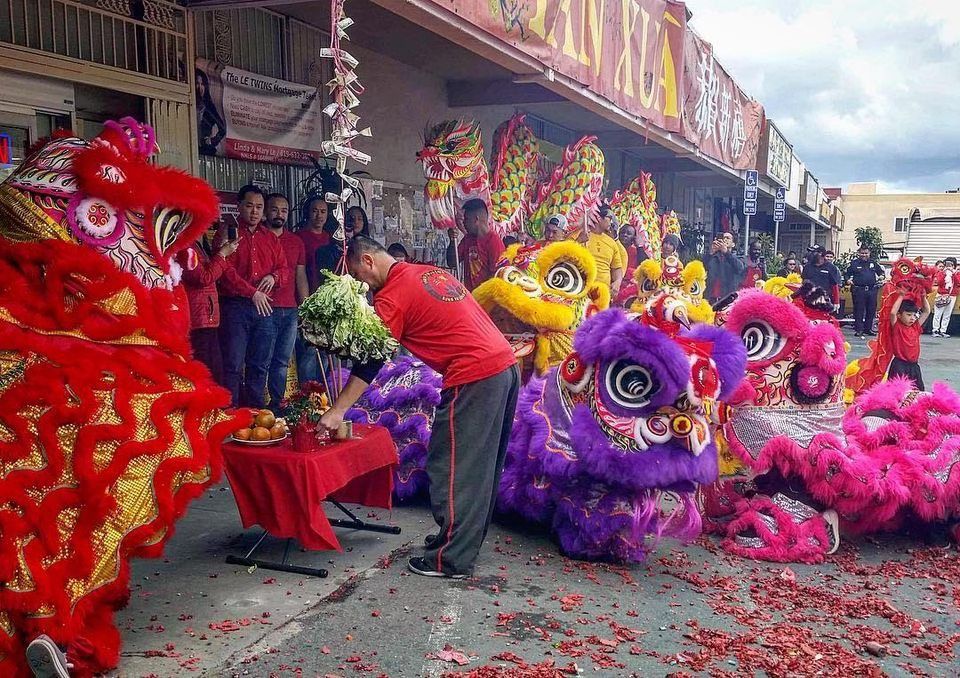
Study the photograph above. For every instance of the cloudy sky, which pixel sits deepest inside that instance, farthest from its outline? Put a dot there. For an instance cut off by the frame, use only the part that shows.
(864, 89)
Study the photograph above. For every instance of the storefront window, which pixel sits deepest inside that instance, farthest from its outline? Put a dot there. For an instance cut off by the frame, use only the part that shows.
(14, 142)
(48, 123)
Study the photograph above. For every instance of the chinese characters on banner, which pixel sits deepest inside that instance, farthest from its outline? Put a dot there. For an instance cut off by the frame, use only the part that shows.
(722, 121)
(638, 54)
(252, 117)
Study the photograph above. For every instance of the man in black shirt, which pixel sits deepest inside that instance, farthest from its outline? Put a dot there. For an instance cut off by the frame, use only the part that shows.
(865, 275)
(724, 268)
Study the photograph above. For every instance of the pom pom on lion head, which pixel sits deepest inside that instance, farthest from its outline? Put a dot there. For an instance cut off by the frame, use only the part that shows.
(107, 195)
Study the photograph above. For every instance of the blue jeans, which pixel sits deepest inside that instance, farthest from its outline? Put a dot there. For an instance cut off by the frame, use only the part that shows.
(247, 340)
(308, 365)
(285, 322)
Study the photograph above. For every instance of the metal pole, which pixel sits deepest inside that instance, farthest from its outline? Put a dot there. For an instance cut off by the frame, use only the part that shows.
(813, 233)
(746, 233)
(776, 238)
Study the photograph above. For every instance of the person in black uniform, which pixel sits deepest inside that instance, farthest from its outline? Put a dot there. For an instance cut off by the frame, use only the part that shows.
(865, 275)
(822, 273)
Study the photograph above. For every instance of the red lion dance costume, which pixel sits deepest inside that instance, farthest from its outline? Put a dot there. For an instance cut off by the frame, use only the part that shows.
(915, 281)
(108, 428)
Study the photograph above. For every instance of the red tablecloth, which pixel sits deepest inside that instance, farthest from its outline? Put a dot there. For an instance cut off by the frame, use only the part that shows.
(283, 490)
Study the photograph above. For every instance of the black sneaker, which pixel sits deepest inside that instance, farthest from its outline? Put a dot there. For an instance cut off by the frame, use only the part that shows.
(858, 335)
(424, 569)
(431, 539)
(46, 659)
(871, 334)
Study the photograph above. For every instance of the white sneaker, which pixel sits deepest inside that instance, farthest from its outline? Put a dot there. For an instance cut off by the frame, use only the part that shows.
(832, 520)
(46, 659)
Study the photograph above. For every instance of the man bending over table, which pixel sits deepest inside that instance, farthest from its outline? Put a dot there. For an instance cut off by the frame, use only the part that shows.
(434, 317)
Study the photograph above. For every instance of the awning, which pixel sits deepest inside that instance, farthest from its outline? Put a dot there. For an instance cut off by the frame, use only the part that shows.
(936, 213)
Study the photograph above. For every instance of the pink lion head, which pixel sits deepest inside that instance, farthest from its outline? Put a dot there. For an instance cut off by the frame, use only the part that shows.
(795, 364)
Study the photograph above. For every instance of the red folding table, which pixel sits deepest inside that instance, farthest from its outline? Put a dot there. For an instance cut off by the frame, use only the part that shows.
(283, 490)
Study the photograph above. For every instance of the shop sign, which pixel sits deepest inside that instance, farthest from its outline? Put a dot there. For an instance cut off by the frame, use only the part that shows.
(6, 151)
(252, 117)
(719, 119)
(837, 218)
(776, 155)
(628, 51)
(825, 212)
(808, 191)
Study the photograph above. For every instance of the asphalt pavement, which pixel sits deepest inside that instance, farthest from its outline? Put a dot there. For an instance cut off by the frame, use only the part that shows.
(881, 606)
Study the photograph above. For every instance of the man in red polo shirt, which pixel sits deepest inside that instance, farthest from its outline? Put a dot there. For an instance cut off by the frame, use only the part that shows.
(286, 296)
(434, 317)
(247, 332)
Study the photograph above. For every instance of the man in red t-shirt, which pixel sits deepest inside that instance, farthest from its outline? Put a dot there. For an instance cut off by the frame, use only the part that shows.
(480, 249)
(755, 266)
(286, 296)
(907, 326)
(434, 317)
(247, 332)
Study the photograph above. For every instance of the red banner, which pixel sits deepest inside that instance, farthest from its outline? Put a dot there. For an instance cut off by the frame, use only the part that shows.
(638, 54)
(719, 119)
(628, 51)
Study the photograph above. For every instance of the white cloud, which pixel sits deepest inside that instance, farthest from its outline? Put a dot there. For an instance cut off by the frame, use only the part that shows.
(862, 89)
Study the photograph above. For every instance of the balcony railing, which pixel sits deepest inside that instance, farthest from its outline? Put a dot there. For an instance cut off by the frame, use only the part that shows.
(142, 36)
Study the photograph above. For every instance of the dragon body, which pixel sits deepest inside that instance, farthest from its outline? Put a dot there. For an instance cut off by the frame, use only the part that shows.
(520, 198)
(636, 205)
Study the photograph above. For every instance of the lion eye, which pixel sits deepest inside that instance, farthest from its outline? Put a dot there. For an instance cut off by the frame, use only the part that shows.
(565, 278)
(761, 340)
(631, 385)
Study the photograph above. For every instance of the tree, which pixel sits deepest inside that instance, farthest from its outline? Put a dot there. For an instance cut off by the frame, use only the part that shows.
(870, 236)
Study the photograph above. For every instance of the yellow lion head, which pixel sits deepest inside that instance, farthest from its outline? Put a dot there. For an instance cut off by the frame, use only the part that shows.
(539, 296)
(670, 277)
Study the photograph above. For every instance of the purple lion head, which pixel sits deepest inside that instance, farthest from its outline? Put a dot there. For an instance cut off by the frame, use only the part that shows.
(643, 404)
(628, 415)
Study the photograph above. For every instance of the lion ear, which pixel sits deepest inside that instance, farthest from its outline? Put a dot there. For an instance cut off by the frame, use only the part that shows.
(574, 373)
(599, 295)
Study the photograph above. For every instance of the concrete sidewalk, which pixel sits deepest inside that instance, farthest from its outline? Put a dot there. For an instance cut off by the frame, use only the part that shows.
(190, 612)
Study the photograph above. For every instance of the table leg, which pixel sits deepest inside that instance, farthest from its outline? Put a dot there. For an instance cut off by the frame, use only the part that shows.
(356, 524)
(282, 566)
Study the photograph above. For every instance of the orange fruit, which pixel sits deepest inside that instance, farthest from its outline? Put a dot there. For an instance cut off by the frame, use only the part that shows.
(265, 419)
(260, 433)
(278, 431)
(243, 434)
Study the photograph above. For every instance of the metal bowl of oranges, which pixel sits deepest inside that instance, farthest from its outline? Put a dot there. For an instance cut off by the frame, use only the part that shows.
(266, 429)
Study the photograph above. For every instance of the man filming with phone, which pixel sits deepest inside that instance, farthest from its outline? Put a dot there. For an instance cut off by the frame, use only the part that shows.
(724, 268)
(247, 330)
